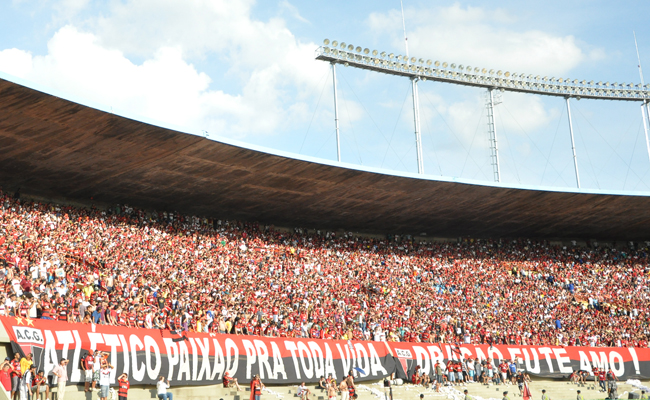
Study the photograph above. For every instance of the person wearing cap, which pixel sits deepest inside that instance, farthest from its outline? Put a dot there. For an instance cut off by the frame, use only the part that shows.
(643, 396)
(467, 396)
(505, 396)
(230, 381)
(61, 372)
(579, 396)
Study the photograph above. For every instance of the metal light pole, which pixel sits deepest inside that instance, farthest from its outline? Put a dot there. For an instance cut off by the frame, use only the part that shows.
(646, 114)
(416, 118)
(645, 126)
(492, 131)
(336, 114)
(573, 145)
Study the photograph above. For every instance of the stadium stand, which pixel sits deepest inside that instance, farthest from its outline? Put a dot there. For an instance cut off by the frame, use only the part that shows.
(125, 266)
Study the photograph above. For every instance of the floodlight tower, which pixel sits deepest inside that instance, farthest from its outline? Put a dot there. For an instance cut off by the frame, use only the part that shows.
(419, 70)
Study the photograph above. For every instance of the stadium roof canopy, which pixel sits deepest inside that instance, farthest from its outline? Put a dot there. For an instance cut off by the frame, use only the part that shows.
(53, 147)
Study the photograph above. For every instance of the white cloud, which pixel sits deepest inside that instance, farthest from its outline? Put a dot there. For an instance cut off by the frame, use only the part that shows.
(15, 62)
(522, 114)
(292, 10)
(488, 39)
(165, 87)
(271, 75)
(67, 9)
(479, 37)
(516, 114)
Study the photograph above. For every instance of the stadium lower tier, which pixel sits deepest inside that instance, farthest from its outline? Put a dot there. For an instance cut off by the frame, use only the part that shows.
(126, 267)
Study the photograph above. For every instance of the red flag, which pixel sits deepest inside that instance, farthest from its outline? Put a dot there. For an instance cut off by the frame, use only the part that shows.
(527, 395)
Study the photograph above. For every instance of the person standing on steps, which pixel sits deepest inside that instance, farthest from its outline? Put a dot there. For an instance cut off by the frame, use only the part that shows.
(256, 388)
(105, 380)
(87, 366)
(61, 372)
(331, 391)
(343, 388)
(15, 376)
(161, 389)
(124, 385)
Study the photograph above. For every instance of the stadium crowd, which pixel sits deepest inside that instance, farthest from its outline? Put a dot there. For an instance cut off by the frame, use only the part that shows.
(124, 266)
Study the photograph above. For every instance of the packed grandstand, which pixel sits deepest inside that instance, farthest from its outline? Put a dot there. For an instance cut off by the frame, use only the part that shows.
(128, 267)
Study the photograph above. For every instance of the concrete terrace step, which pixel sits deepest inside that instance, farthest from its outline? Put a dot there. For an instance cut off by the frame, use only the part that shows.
(557, 390)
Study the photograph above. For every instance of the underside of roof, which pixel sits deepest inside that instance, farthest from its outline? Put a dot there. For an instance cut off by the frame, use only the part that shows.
(56, 148)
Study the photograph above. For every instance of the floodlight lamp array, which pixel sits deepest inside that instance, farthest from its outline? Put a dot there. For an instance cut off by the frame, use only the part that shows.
(442, 71)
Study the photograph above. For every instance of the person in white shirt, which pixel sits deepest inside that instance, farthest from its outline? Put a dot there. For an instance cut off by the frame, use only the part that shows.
(303, 392)
(26, 383)
(3, 306)
(33, 270)
(61, 372)
(161, 388)
(97, 364)
(470, 369)
(105, 380)
(15, 282)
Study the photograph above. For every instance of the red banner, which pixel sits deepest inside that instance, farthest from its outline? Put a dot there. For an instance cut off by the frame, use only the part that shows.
(196, 358)
(201, 358)
(549, 361)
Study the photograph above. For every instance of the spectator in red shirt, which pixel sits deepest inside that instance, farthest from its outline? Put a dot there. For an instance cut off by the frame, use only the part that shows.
(16, 374)
(124, 385)
(5, 374)
(87, 366)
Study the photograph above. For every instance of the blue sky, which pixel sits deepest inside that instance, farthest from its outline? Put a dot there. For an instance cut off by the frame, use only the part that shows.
(245, 70)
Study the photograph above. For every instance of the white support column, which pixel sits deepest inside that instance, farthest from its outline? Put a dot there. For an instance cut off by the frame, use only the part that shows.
(492, 131)
(645, 126)
(645, 115)
(573, 145)
(416, 117)
(336, 115)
